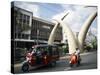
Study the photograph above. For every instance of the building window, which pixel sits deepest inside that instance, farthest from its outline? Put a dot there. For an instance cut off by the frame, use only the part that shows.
(25, 36)
(28, 19)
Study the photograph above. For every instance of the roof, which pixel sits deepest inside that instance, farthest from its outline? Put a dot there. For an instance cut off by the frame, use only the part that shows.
(22, 9)
(36, 18)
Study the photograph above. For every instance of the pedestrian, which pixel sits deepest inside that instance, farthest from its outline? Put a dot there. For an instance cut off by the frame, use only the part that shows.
(77, 53)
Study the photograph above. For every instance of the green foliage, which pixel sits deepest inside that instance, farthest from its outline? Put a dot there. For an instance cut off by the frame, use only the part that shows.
(94, 43)
(65, 49)
(88, 47)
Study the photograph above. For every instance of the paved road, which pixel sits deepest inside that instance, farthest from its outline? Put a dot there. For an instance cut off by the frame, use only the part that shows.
(89, 61)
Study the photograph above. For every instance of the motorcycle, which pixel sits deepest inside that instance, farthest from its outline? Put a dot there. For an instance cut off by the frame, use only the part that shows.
(74, 60)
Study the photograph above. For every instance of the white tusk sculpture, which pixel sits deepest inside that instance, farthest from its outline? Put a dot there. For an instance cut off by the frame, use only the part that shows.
(84, 29)
(53, 34)
(73, 43)
(70, 37)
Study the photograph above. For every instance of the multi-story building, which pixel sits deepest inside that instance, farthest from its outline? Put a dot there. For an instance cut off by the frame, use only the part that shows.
(27, 30)
(21, 23)
(41, 30)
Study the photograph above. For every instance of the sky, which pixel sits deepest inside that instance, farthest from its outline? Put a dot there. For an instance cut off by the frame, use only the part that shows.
(49, 11)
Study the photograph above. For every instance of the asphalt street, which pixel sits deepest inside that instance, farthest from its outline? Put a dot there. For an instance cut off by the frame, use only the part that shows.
(89, 61)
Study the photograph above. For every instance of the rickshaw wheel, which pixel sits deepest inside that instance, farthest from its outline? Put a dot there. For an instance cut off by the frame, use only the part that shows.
(25, 67)
(71, 65)
(78, 63)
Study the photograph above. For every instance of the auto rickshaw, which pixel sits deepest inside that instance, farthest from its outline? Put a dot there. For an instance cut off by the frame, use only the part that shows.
(41, 55)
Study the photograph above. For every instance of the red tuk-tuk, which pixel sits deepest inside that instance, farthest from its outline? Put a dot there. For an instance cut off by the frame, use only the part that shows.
(41, 55)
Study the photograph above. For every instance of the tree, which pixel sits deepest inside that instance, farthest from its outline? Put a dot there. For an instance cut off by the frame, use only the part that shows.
(87, 47)
(94, 43)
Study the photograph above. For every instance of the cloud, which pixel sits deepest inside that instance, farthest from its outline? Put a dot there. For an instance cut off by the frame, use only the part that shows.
(77, 16)
(94, 31)
(35, 9)
(75, 19)
(29, 6)
(60, 15)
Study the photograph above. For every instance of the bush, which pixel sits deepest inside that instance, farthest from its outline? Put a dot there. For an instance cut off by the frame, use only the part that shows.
(88, 48)
(65, 50)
